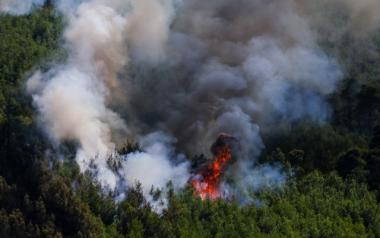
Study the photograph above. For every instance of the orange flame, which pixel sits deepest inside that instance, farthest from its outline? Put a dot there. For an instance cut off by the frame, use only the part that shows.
(206, 183)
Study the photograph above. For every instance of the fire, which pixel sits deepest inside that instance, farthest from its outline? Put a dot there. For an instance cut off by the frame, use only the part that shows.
(206, 183)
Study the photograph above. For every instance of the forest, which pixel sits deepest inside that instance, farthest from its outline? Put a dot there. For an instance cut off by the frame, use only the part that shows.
(332, 167)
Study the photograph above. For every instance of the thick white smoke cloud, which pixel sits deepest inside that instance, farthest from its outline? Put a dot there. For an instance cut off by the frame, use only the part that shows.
(155, 166)
(73, 99)
(191, 69)
(149, 29)
(73, 108)
(96, 36)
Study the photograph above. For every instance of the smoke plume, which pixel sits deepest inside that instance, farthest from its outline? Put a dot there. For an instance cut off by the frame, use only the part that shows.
(189, 70)
(155, 166)
(363, 15)
(19, 7)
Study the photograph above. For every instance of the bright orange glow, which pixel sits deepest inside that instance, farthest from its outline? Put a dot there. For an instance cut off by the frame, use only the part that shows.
(207, 182)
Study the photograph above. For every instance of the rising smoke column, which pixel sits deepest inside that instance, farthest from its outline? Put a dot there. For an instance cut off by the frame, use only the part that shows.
(234, 67)
(190, 69)
(247, 57)
(73, 99)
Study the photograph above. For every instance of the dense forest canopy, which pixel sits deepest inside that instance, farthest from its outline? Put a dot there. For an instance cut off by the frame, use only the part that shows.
(327, 163)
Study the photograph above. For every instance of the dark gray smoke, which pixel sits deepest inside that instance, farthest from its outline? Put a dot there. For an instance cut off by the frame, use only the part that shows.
(179, 73)
(232, 67)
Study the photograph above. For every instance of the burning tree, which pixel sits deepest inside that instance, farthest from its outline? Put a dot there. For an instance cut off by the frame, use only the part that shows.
(206, 182)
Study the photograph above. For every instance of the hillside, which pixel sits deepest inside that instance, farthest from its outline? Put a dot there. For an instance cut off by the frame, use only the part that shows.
(79, 158)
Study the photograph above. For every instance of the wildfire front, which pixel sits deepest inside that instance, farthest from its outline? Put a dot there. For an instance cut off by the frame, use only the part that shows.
(206, 182)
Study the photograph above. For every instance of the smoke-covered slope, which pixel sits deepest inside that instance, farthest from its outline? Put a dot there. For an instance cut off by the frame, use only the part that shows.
(173, 76)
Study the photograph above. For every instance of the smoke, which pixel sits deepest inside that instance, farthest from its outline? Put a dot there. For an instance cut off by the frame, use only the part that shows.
(190, 69)
(259, 178)
(149, 29)
(266, 67)
(19, 7)
(292, 82)
(73, 99)
(234, 67)
(333, 19)
(155, 166)
(72, 107)
(364, 15)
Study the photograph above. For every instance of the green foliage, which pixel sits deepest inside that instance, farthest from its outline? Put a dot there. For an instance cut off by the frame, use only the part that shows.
(361, 165)
(315, 206)
(357, 103)
(310, 147)
(46, 208)
(25, 42)
(34, 201)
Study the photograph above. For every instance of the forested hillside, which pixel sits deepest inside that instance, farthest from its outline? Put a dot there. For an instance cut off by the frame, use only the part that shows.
(332, 168)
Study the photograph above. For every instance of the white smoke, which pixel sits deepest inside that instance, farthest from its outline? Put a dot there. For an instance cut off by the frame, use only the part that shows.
(155, 166)
(290, 81)
(19, 7)
(257, 178)
(96, 36)
(149, 29)
(191, 69)
(73, 108)
(73, 98)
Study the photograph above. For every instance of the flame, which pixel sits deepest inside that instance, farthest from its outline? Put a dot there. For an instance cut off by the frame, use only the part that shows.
(206, 183)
